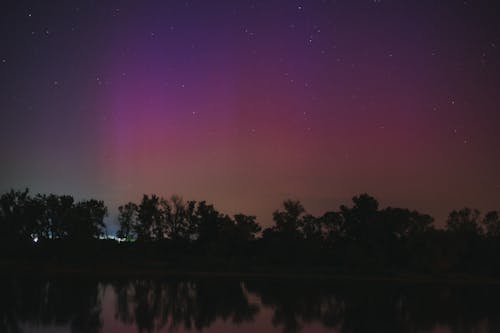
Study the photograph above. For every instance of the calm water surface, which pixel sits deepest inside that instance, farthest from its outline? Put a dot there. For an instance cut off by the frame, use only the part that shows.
(255, 305)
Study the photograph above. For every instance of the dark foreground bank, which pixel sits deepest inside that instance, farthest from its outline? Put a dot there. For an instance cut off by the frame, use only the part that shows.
(99, 258)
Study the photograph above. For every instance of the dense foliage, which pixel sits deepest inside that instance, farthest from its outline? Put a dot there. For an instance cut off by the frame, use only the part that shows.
(26, 218)
(181, 233)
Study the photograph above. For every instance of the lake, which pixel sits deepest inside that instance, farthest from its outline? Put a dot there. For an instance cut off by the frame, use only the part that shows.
(248, 305)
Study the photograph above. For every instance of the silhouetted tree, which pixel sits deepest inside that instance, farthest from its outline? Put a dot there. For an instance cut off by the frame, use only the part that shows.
(49, 217)
(208, 222)
(464, 221)
(127, 220)
(150, 224)
(491, 223)
(311, 228)
(289, 221)
(466, 234)
(333, 227)
(365, 236)
(58, 215)
(360, 220)
(246, 226)
(16, 222)
(176, 219)
(235, 235)
(87, 220)
(192, 220)
(404, 223)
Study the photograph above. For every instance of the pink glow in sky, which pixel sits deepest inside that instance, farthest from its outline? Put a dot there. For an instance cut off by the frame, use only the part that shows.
(245, 104)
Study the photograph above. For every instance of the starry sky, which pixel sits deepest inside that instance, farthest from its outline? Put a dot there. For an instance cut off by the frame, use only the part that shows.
(247, 103)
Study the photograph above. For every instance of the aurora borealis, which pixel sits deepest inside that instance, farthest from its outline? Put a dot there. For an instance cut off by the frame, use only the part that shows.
(247, 103)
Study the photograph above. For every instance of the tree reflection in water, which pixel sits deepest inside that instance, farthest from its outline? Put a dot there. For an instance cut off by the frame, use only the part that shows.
(152, 305)
(74, 303)
(365, 307)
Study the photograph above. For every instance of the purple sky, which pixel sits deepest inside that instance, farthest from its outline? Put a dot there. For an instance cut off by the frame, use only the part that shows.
(247, 103)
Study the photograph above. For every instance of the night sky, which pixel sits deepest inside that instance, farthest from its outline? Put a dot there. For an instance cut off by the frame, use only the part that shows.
(247, 103)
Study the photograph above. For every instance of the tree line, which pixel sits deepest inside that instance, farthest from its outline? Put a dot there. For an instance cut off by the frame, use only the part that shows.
(157, 219)
(360, 236)
(26, 218)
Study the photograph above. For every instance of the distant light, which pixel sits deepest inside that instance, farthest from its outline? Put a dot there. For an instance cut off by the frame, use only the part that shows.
(113, 237)
(35, 239)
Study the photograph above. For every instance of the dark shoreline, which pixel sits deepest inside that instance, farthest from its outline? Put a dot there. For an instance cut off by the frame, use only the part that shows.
(53, 234)
(151, 271)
